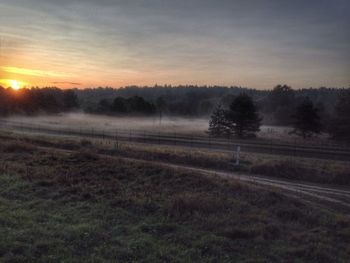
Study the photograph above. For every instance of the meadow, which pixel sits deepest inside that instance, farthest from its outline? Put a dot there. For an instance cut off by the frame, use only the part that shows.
(174, 131)
(163, 125)
(284, 167)
(79, 206)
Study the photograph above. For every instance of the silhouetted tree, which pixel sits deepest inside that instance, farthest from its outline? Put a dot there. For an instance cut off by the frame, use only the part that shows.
(227, 100)
(218, 125)
(242, 117)
(281, 103)
(119, 105)
(4, 102)
(306, 119)
(138, 104)
(104, 106)
(325, 116)
(35, 101)
(340, 125)
(70, 99)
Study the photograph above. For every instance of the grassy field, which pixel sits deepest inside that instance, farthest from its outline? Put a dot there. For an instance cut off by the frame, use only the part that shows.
(294, 168)
(78, 206)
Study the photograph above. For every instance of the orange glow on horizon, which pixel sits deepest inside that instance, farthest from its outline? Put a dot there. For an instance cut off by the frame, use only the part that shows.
(33, 72)
(34, 77)
(14, 84)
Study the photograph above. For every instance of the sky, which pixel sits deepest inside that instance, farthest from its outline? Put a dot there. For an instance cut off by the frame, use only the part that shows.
(250, 43)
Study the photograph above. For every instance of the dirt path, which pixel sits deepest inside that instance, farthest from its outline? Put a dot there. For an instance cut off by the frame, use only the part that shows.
(332, 196)
(327, 196)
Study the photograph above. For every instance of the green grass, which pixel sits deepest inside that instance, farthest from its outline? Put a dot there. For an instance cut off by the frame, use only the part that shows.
(80, 207)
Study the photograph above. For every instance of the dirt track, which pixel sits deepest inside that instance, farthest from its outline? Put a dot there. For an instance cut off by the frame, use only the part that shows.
(331, 197)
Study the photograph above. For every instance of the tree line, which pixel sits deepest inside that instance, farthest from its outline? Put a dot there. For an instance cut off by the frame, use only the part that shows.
(35, 101)
(120, 106)
(275, 105)
(309, 111)
(241, 116)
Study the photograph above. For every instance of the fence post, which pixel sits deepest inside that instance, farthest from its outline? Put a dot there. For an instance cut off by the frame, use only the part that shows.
(238, 150)
(228, 141)
(271, 146)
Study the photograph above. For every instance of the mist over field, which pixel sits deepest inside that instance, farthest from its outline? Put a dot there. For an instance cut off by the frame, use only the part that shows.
(153, 124)
(100, 122)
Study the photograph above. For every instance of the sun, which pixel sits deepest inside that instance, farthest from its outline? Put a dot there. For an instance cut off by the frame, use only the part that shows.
(14, 84)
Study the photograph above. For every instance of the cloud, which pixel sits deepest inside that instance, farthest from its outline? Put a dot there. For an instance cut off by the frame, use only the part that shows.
(33, 72)
(251, 42)
(67, 83)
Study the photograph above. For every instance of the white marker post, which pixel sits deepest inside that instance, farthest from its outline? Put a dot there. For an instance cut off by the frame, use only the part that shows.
(238, 150)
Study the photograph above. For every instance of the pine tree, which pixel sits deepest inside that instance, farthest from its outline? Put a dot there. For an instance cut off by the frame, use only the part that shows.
(242, 117)
(340, 125)
(306, 119)
(218, 125)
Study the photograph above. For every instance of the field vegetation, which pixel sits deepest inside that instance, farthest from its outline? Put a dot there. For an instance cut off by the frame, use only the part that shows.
(284, 167)
(80, 206)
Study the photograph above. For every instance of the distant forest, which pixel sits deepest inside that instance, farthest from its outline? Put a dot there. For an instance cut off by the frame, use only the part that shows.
(276, 106)
(36, 101)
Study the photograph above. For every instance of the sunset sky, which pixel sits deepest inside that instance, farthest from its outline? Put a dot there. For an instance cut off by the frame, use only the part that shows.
(252, 43)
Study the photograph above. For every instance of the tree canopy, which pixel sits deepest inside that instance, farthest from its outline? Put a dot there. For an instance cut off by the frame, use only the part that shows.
(35, 100)
(281, 104)
(134, 105)
(340, 126)
(307, 119)
(240, 119)
(218, 124)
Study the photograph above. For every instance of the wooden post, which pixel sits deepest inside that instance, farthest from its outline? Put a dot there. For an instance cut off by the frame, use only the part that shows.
(238, 150)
